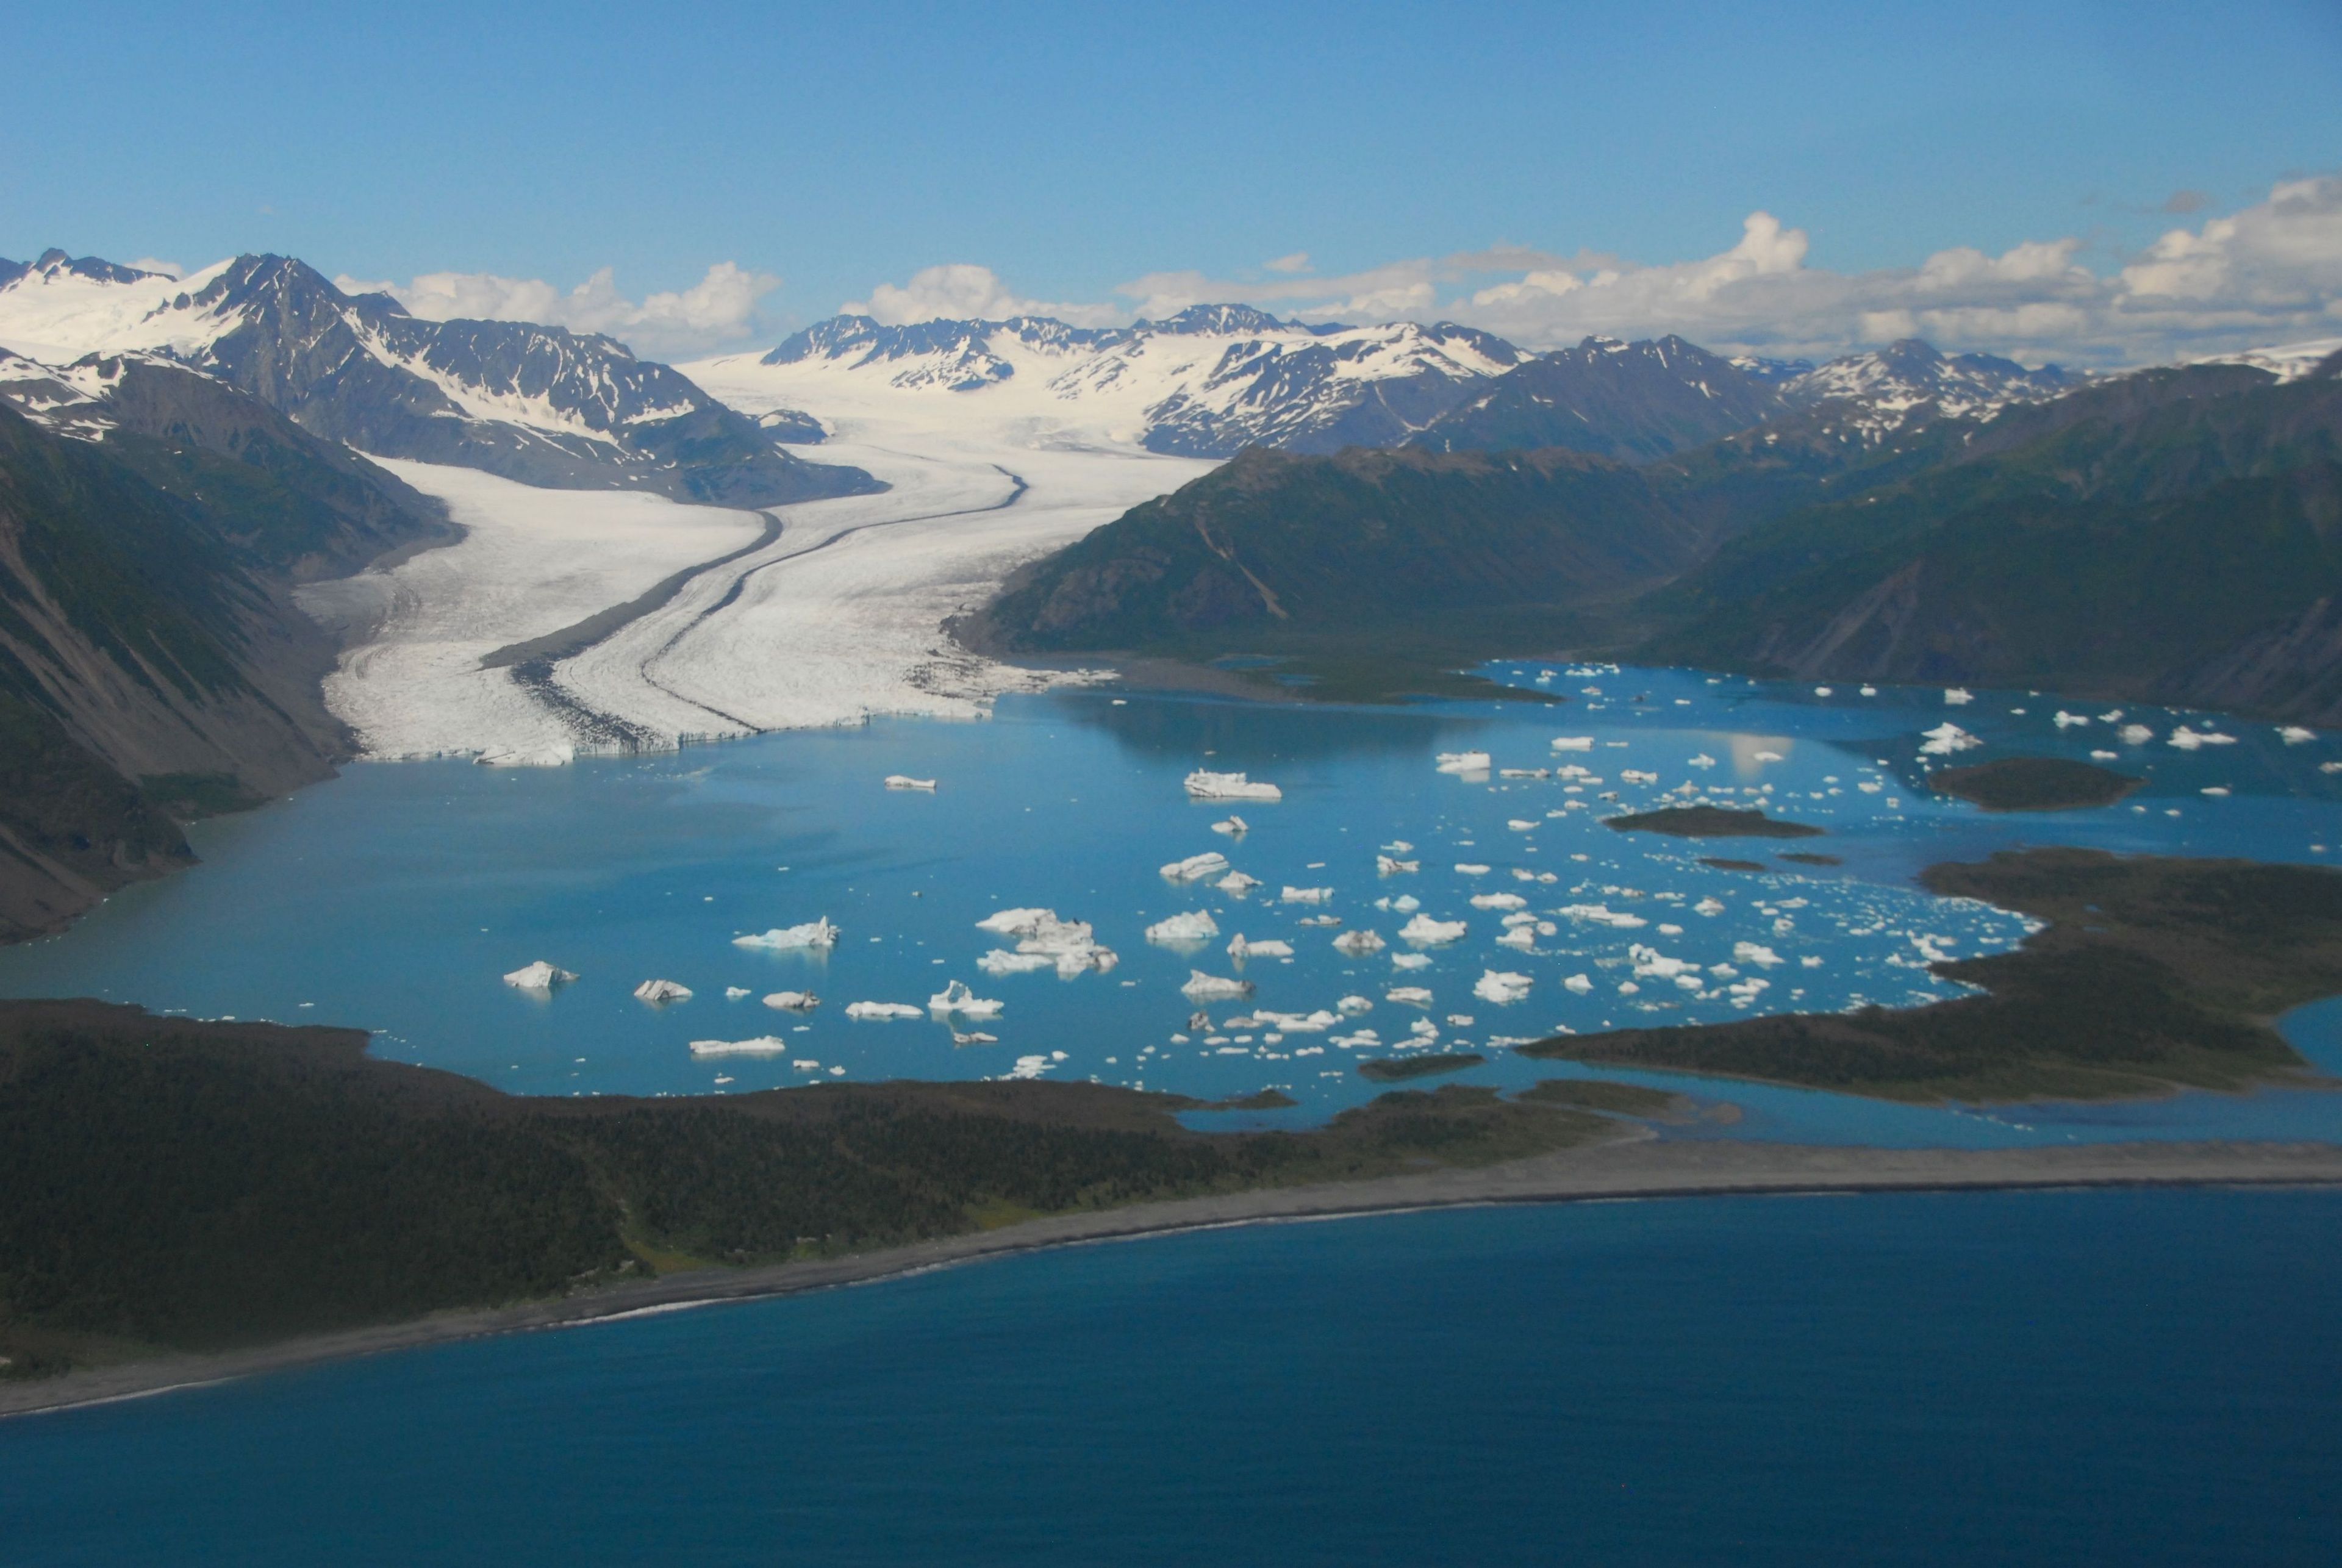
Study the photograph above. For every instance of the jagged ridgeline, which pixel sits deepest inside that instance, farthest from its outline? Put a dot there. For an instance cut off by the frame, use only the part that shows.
(535, 403)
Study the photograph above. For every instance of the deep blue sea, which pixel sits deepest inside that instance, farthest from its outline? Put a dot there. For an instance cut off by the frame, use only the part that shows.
(2054, 1378)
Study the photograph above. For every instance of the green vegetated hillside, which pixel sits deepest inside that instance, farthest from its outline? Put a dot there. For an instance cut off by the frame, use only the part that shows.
(151, 665)
(2174, 535)
(170, 1183)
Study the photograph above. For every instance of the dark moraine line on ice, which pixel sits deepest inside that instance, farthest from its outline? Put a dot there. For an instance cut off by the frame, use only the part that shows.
(575, 638)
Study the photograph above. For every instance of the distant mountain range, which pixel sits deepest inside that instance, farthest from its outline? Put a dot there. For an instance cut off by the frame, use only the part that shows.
(535, 403)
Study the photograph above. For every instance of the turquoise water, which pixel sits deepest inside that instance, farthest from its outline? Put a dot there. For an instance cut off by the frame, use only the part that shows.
(395, 897)
(2041, 1378)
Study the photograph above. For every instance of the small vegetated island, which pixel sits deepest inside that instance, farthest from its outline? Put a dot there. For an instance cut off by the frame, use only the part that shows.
(2150, 975)
(1710, 822)
(168, 1184)
(1396, 1069)
(2034, 784)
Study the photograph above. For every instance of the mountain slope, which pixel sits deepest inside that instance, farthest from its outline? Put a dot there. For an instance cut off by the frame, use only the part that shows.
(531, 403)
(2174, 535)
(1631, 400)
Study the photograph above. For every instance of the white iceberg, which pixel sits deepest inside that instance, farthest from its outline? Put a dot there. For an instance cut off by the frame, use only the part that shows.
(1305, 894)
(904, 781)
(1498, 901)
(1521, 936)
(1398, 846)
(662, 991)
(733, 992)
(1470, 868)
(1204, 785)
(1464, 762)
(1701, 761)
(1573, 742)
(955, 997)
(2294, 735)
(1315, 1023)
(1501, 985)
(792, 1001)
(999, 961)
(974, 1037)
(2065, 721)
(1239, 949)
(1750, 953)
(1353, 1005)
(1196, 926)
(1650, 963)
(1386, 865)
(762, 1045)
(1234, 827)
(1708, 906)
(1196, 867)
(1579, 983)
(2193, 740)
(1203, 987)
(819, 934)
(1358, 943)
(1408, 995)
(1957, 697)
(1944, 739)
(1070, 945)
(1236, 884)
(1424, 931)
(539, 976)
(879, 1012)
(2136, 734)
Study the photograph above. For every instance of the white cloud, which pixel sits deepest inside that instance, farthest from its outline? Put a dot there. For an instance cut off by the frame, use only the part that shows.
(148, 263)
(1297, 262)
(719, 309)
(960, 291)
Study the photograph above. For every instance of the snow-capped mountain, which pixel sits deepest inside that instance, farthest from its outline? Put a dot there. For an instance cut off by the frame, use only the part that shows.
(1632, 401)
(1870, 396)
(1206, 383)
(531, 403)
(2287, 362)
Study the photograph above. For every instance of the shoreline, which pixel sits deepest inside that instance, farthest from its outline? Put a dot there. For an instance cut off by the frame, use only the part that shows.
(1619, 1170)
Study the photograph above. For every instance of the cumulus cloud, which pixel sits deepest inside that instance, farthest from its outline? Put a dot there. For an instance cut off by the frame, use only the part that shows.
(718, 310)
(1297, 262)
(961, 290)
(148, 263)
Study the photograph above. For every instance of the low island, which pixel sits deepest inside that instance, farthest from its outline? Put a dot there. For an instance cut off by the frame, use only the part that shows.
(2034, 784)
(1710, 822)
(1398, 1069)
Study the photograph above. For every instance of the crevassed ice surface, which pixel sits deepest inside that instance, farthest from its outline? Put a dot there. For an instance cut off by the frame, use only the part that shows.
(395, 898)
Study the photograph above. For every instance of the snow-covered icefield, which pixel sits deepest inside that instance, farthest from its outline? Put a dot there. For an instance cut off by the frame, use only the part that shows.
(838, 619)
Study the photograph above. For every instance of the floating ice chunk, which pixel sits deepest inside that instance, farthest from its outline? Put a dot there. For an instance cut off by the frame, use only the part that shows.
(1521, 936)
(1016, 921)
(1424, 1029)
(1944, 739)
(1628, 988)
(1240, 949)
(733, 992)
(2193, 740)
(1234, 827)
(662, 991)
(1203, 784)
(1701, 761)
(1001, 962)
(1708, 906)
(1870, 691)
(1408, 995)
(1579, 983)
(1520, 917)
(1520, 824)
(1424, 931)
(1501, 985)
(1811, 961)
(1196, 867)
(974, 1037)
(1602, 915)
(1358, 943)
(1957, 697)
(2065, 721)
(1635, 778)
(539, 976)
(1315, 1023)
(792, 1001)
(762, 1045)
(1464, 762)
(2136, 734)
(1070, 944)
(1196, 926)
(1410, 960)
(1203, 987)
(818, 933)
(2106, 757)
(1353, 1005)
(1768, 756)
(1384, 866)
(2215, 791)
(1236, 884)
(2294, 735)
(880, 1012)
(1750, 953)
(1821, 691)
(1498, 901)
(904, 781)
(1573, 742)
(1650, 963)
(1524, 773)
(1029, 1067)
(955, 997)
(1470, 868)
(1305, 894)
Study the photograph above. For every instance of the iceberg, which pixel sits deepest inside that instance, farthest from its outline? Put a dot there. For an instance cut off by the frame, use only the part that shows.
(1315, 1023)
(1521, 936)
(819, 934)
(1577, 984)
(2065, 721)
(1701, 761)
(1464, 762)
(1358, 943)
(1957, 697)
(1305, 894)
(1501, 985)
(539, 976)
(2193, 740)
(1235, 827)
(1470, 868)
(1573, 742)
(1944, 739)
(1408, 995)
(1203, 784)
(1016, 921)
(1353, 1005)
(1708, 906)
(762, 1045)
(1236, 884)
(1398, 846)
(1524, 773)
(904, 781)
(1750, 953)
(879, 1012)
(1196, 867)
(1521, 825)
(1001, 962)
(1424, 931)
(2293, 735)
(1650, 963)
(662, 991)
(974, 1037)
(2136, 734)
(792, 1001)
(1498, 901)
(733, 992)
(1384, 866)
(1240, 950)
(1044, 940)
(1203, 987)
(1195, 926)
(955, 997)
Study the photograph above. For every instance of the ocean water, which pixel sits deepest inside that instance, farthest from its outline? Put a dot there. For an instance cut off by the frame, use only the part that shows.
(2141, 1378)
(395, 897)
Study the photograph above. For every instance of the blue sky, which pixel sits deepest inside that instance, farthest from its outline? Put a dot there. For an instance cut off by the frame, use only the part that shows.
(1073, 149)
